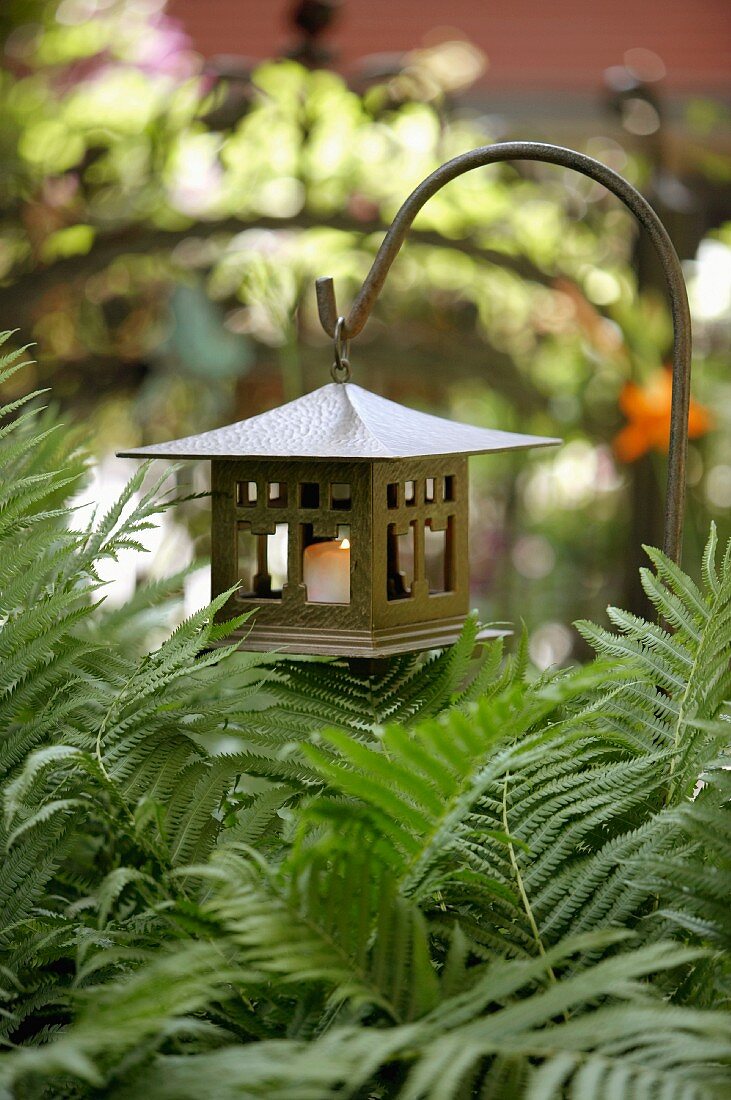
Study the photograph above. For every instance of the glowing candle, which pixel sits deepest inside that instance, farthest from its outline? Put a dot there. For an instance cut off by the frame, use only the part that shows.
(326, 571)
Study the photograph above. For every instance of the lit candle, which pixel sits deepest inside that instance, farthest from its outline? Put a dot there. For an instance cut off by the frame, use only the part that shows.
(326, 571)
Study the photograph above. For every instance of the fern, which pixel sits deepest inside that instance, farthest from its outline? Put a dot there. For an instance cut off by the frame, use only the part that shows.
(446, 879)
(693, 878)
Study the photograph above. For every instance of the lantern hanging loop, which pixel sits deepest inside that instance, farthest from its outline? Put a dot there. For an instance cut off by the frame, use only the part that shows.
(349, 327)
(340, 370)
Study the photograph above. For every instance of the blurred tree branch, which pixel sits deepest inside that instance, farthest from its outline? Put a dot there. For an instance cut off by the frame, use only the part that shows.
(27, 286)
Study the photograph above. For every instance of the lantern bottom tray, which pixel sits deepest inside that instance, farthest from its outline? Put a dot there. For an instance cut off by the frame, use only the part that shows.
(357, 643)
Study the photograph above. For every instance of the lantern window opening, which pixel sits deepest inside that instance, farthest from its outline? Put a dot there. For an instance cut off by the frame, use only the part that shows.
(309, 492)
(247, 494)
(261, 561)
(326, 565)
(277, 494)
(410, 493)
(429, 490)
(392, 494)
(439, 557)
(400, 561)
(448, 488)
(341, 498)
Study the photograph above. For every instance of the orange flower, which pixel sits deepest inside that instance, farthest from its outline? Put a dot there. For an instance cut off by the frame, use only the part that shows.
(647, 409)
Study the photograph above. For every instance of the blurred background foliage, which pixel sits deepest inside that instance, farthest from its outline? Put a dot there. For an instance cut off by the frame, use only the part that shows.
(162, 222)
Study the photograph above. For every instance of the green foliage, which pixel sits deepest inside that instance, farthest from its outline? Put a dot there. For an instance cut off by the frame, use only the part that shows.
(450, 879)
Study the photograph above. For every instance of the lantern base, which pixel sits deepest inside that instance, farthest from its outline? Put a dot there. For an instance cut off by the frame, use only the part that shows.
(411, 638)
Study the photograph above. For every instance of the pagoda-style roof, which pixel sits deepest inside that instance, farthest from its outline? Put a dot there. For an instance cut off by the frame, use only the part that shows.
(341, 421)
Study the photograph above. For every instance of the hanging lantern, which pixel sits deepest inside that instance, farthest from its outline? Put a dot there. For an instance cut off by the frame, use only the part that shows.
(344, 519)
(342, 516)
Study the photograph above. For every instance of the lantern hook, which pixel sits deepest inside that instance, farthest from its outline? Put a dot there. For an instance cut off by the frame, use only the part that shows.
(340, 370)
(347, 328)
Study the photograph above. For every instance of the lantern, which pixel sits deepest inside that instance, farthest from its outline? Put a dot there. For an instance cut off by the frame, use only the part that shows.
(343, 516)
(344, 519)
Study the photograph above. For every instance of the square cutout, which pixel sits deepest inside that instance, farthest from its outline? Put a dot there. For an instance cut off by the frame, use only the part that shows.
(449, 487)
(247, 494)
(438, 557)
(392, 495)
(400, 562)
(309, 494)
(429, 491)
(340, 496)
(409, 493)
(277, 494)
(261, 562)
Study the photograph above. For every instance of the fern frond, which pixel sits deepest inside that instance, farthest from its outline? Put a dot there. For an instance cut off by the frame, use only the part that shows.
(690, 667)
(335, 920)
(130, 1012)
(257, 815)
(605, 1038)
(10, 363)
(693, 876)
(312, 694)
(420, 786)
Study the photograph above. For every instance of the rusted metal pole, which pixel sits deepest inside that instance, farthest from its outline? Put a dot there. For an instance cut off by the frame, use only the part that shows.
(353, 323)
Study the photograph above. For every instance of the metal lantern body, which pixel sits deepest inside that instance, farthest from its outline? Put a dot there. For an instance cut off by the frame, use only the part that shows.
(344, 518)
(387, 604)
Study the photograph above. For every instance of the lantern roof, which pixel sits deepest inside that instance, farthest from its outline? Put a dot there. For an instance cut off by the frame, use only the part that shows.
(341, 421)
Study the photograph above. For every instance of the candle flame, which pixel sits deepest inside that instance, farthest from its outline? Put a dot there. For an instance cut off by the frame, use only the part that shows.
(345, 544)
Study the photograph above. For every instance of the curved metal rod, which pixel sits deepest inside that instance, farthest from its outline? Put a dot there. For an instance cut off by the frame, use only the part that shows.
(639, 206)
